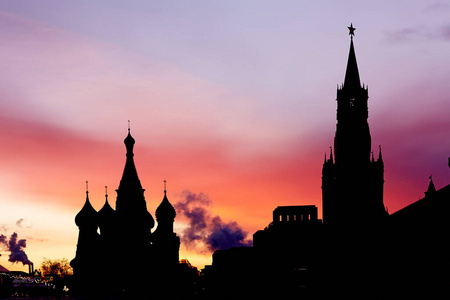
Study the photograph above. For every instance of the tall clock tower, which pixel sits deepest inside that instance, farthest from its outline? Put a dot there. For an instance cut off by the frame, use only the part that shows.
(352, 181)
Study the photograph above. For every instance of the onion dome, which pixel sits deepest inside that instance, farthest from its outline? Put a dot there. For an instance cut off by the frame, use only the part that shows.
(106, 213)
(165, 210)
(87, 216)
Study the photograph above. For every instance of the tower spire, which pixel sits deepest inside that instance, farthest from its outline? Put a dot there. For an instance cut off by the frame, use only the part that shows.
(331, 154)
(431, 188)
(380, 157)
(352, 80)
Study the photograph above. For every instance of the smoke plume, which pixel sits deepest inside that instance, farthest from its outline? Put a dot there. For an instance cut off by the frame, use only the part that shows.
(16, 249)
(205, 230)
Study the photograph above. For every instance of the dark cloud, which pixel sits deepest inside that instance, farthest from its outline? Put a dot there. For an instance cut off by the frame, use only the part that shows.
(227, 235)
(192, 207)
(16, 248)
(205, 230)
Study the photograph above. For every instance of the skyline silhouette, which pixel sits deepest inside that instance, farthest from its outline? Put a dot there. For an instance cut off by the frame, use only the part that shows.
(353, 251)
(242, 112)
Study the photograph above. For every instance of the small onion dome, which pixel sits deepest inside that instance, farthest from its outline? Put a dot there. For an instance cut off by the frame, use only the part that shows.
(165, 210)
(106, 213)
(87, 215)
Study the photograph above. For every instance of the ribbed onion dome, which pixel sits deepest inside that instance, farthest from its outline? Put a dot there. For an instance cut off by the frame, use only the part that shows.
(165, 210)
(87, 215)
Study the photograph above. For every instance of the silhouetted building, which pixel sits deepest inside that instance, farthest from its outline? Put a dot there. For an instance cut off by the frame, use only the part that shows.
(352, 182)
(145, 256)
(419, 247)
(292, 237)
(110, 283)
(87, 254)
(280, 263)
(166, 243)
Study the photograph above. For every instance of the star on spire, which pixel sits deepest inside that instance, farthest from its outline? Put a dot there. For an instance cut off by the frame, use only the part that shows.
(352, 30)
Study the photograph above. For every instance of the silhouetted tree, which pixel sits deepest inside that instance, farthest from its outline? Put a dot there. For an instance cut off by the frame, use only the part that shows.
(60, 267)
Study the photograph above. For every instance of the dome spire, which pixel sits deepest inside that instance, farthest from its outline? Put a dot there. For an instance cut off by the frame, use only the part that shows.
(106, 193)
(129, 142)
(130, 178)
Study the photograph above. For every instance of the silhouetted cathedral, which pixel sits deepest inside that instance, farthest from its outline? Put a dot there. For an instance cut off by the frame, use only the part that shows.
(352, 182)
(125, 251)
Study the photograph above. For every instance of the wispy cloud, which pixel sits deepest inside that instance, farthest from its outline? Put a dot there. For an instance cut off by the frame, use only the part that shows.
(3, 228)
(437, 7)
(405, 35)
(444, 32)
(19, 223)
(418, 33)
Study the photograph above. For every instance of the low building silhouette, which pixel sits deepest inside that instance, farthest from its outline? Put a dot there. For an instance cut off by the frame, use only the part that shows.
(280, 263)
(419, 245)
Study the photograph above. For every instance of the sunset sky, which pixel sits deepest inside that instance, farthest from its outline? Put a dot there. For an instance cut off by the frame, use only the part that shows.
(232, 100)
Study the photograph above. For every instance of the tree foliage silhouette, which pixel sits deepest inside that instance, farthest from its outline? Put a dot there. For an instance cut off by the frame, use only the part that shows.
(60, 267)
